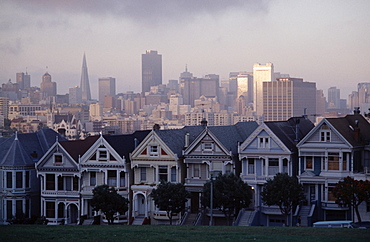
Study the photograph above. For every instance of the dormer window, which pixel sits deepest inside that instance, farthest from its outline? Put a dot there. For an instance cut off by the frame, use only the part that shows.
(325, 134)
(102, 155)
(264, 142)
(58, 159)
(153, 150)
(207, 147)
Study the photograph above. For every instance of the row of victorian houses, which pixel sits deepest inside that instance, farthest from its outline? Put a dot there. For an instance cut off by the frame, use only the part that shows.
(44, 174)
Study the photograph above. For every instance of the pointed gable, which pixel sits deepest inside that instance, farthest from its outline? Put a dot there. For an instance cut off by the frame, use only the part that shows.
(206, 144)
(57, 158)
(278, 136)
(153, 147)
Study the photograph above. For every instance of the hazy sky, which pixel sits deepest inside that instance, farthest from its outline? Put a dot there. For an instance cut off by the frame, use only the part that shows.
(324, 41)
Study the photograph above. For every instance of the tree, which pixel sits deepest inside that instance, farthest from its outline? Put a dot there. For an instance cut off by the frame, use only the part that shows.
(107, 200)
(230, 194)
(170, 197)
(284, 191)
(350, 192)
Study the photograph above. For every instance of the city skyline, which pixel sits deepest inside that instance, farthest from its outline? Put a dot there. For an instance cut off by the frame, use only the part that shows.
(322, 42)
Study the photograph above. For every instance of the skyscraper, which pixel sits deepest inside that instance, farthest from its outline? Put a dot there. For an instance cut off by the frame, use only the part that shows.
(288, 97)
(47, 87)
(334, 98)
(85, 85)
(261, 73)
(151, 71)
(23, 80)
(107, 87)
(75, 95)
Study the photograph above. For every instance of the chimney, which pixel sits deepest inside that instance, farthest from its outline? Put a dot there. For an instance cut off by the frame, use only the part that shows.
(297, 122)
(136, 142)
(356, 131)
(187, 136)
(204, 122)
(156, 127)
(356, 110)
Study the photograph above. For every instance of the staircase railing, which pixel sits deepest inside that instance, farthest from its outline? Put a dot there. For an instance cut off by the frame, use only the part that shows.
(183, 219)
(198, 219)
(239, 217)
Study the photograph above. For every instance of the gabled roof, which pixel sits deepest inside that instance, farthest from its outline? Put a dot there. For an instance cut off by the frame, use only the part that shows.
(20, 149)
(347, 125)
(286, 131)
(77, 148)
(231, 135)
(125, 144)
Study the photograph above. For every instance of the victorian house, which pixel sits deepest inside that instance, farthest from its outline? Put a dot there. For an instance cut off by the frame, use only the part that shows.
(155, 159)
(72, 169)
(19, 186)
(269, 150)
(334, 149)
(213, 151)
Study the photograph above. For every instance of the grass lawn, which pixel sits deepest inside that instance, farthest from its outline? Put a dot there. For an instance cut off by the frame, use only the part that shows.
(178, 233)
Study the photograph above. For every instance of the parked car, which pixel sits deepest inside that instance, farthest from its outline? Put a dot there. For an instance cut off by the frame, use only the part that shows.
(334, 224)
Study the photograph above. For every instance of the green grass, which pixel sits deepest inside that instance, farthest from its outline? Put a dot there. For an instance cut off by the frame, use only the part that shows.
(178, 233)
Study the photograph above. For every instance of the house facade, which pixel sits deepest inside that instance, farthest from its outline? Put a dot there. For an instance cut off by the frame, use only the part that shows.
(154, 160)
(212, 152)
(334, 149)
(269, 150)
(72, 169)
(19, 186)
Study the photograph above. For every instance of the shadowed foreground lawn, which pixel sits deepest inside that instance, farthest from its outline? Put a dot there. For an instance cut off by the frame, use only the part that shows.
(178, 233)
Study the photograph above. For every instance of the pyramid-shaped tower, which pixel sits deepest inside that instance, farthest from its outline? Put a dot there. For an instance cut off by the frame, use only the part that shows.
(85, 85)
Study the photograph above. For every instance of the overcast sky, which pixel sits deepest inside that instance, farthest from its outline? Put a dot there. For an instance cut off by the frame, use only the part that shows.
(323, 41)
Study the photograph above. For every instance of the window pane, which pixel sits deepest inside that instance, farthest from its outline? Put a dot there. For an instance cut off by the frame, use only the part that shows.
(58, 159)
(250, 166)
(19, 180)
(75, 183)
(163, 173)
(60, 183)
(196, 170)
(50, 182)
(50, 209)
(9, 180)
(309, 163)
(18, 208)
(92, 178)
(173, 174)
(68, 180)
(9, 209)
(112, 178)
(27, 179)
(143, 174)
(122, 182)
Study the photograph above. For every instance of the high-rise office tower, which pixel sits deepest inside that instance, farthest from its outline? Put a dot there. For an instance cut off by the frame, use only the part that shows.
(334, 98)
(4, 107)
(288, 97)
(47, 87)
(85, 85)
(19, 78)
(107, 87)
(23, 80)
(75, 95)
(261, 73)
(244, 82)
(151, 70)
(195, 87)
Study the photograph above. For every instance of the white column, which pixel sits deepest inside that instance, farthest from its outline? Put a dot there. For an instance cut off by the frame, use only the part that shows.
(280, 165)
